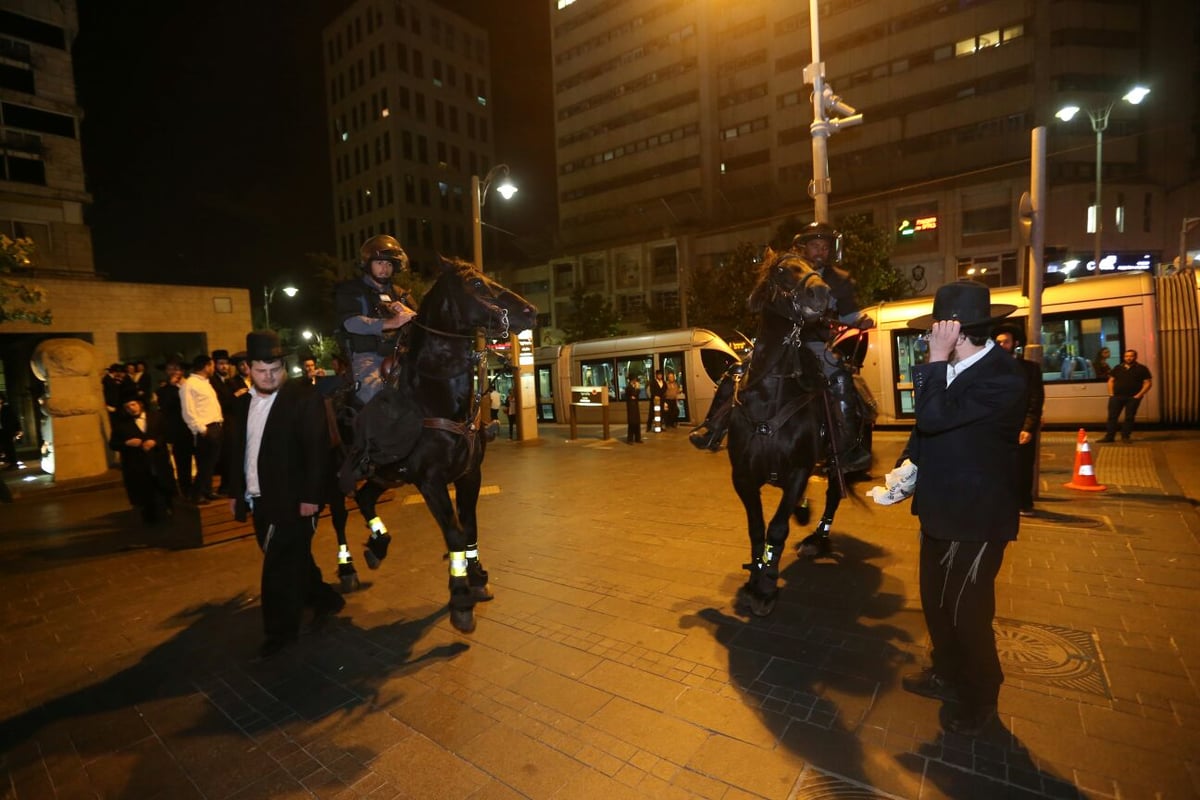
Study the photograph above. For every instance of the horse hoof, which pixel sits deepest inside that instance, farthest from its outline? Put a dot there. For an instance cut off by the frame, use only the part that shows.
(463, 619)
(815, 545)
(482, 593)
(802, 513)
(349, 582)
(372, 560)
(763, 606)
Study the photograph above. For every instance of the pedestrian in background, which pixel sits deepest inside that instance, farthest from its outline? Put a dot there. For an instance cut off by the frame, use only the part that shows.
(10, 431)
(139, 435)
(178, 435)
(1011, 338)
(633, 391)
(1128, 383)
(671, 392)
(510, 409)
(202, 413)
(1100, 365)
(969, 407)
(280, 473)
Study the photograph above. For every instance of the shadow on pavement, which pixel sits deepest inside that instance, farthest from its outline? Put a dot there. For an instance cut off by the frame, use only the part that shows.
(198, 711)
(813, 668)
(1000, 766)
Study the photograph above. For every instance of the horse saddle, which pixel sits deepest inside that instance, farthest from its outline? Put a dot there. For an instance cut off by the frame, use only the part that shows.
(385, 431)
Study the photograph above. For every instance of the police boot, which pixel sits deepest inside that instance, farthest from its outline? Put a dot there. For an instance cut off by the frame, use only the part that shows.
(852, 456)
(709, 433)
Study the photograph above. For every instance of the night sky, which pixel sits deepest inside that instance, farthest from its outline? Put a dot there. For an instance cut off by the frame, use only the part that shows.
(204, 133)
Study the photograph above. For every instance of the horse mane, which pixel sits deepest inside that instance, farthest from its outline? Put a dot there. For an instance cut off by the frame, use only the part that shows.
(762, 292)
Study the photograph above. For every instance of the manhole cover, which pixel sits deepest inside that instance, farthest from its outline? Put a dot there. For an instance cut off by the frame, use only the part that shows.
(1050, 655)
(818, 786)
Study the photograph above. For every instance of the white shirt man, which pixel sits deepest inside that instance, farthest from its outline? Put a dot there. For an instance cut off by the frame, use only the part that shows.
(200, 405)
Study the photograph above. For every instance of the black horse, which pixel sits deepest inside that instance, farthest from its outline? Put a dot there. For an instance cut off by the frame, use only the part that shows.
(442, 374)
(778, 417)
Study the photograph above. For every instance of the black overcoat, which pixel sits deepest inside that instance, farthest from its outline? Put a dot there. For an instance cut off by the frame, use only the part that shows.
(965, 448)
(294, 465)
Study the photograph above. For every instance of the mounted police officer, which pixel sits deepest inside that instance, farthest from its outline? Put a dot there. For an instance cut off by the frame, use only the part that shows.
(821, 245)
(371, 311)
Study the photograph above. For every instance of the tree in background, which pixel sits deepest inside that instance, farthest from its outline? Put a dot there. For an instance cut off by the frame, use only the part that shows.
(19, 301)
(591, 317)
(866, 255)
(718, 291)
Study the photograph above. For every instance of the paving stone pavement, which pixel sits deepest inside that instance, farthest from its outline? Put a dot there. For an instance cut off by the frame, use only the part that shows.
(611, 663)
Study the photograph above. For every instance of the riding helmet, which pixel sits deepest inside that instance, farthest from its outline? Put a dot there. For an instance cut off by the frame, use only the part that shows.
(820, 230)
(382, 247)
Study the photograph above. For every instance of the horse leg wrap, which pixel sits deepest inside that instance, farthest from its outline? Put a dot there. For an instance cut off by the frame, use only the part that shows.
(344, 556)
(461, 598)
(824, 526)
(458, 564)
(377, 543)
(477, 576)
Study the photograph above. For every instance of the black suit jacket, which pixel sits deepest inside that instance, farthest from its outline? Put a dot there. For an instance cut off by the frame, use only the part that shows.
(965, 448)
(294, 464)
(141, 469)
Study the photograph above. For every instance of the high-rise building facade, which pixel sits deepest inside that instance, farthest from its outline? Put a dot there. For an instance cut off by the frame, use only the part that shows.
(42, 189)
(407, 88)
(683, 128)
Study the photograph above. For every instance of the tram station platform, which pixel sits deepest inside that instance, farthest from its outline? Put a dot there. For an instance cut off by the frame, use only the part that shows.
(611, 663)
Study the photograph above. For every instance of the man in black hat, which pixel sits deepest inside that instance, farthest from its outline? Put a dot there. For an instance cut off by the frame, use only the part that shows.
(280, 471)
(970, 405)
(1010, 338)
(140, 436)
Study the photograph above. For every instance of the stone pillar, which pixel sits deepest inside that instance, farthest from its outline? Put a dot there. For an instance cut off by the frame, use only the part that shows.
(74, 405)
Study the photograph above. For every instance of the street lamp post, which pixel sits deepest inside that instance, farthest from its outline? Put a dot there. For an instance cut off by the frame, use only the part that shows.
(1099, 119)
(269, 295)
(479, 191)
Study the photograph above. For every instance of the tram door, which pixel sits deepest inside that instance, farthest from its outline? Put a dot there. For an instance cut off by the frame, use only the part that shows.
(544, 381)
(674, 362)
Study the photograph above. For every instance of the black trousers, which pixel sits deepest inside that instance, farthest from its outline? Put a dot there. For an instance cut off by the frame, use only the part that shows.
(1117, 404)
(208, 452)
(291, 580)
(182, 450)
(958, 596)
(1026, 455)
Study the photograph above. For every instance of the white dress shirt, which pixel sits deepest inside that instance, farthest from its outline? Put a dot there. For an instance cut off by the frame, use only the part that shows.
(954, 370)
(256, 423)
(200, 405)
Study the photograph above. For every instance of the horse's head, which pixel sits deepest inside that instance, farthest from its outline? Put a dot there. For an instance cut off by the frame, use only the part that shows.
(463, 300)
(789, 287)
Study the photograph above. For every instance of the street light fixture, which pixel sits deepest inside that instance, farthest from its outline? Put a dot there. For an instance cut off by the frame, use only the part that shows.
(269, 295)
(1099, 119)
(479, 190)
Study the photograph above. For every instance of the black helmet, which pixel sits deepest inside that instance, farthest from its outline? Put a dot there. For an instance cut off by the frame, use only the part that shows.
(820, 230)
(380, 248)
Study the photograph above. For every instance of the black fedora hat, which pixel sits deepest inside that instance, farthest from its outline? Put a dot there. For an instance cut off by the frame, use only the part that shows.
(969, 302)
(264, 346)
(220, 355)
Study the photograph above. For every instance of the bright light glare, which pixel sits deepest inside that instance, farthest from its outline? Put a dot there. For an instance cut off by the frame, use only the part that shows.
(290, 291)
(507, 189)
(1136, 95)
(1067, 113)
(307, 335)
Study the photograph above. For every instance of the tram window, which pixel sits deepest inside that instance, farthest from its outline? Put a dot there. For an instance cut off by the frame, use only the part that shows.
(715, 363)
(1072, 343)
(674, 362)
(641, 366)
(598, 373)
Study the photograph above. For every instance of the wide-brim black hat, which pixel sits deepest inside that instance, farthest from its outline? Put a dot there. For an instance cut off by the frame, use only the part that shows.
(220, 355)
(264, 346)
(127, 392)
(968, 302)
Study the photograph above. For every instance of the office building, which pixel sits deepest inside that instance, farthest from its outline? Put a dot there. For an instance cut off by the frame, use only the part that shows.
(407, 88)
(683, 128)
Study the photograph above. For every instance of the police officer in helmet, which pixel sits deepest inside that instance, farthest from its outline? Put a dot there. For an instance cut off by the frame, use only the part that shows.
(371, 311)
(821, 245)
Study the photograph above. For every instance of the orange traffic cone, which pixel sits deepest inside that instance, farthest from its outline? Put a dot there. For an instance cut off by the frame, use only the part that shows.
(1085, 477)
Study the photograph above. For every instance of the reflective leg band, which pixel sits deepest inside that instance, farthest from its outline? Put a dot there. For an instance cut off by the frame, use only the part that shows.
(458, 564)
(344, 554)
(472, 553)
(766, 556)
(376, 525)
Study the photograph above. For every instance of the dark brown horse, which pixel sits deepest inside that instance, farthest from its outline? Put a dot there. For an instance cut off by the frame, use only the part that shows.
(443, 373)
(780, 409)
